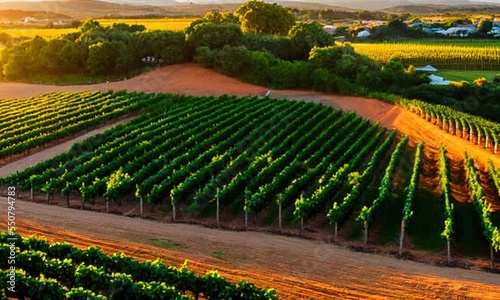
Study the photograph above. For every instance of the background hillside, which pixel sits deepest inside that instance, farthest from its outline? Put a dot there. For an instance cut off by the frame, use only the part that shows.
(84, 9)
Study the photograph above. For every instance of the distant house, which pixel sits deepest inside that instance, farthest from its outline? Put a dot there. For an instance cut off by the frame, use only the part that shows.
(438, 80)
(458, 31)
(427, 68)
(364, 34)
(432, 30)
(330, 29)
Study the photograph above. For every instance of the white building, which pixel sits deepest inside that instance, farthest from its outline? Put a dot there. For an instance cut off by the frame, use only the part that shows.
(364, 34)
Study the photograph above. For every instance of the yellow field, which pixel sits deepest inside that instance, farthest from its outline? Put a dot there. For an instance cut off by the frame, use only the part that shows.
(445, 56)
(32, 32)
(177, 24)
(153, 24)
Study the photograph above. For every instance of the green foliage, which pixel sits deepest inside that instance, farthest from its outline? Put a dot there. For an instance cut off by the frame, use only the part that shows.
(305, 36)
(90, 25)
(412, 187)
(232, 61)
(130, 28)
(92, 278)
(214, 36)
(385, 183)
(491, 233)
(444, 181)
(265, 18)
(95, 50)
(277, 45)
(118, 184)
(83, 294)
(102, 57)
(485, 26)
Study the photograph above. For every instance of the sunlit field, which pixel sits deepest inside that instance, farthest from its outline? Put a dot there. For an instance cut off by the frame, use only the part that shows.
(153, 24)
(442, 56)
(177, 24)
(30, 33)
(453, 41)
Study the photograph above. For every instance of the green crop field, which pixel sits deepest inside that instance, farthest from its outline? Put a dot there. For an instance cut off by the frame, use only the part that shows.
(469, 76)
(62, 271)
(283, 159)
(476, 42)
(441, 56)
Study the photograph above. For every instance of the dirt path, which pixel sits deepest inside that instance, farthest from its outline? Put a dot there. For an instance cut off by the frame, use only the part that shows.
(299, 269)
(178, 79)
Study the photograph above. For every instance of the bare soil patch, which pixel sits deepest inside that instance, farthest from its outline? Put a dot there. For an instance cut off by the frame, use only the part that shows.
(298, 269)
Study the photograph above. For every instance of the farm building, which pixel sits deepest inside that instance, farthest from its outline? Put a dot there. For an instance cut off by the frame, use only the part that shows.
(364, 34)
(330, 29)
(438, 80)
(427, 68)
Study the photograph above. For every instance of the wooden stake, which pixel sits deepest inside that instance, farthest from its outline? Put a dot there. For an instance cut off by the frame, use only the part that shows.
(173, 211)
(492, 256)
(246, 215)
(335, 232)
(31, 193)
(449, 251)
(280, 225)
(217, 216)
(141, 204)
(365, 234)
(401, 238)
(301, 226)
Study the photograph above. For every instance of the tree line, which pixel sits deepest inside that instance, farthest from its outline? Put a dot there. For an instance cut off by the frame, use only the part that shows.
(260, 43)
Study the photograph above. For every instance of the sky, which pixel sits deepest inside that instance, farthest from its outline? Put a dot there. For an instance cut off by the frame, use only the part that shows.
(331, 2)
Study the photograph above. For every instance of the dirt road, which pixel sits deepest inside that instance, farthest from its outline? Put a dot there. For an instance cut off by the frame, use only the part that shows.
(298, 269)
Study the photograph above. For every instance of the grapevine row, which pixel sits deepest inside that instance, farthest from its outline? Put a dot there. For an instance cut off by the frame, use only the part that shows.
(444, 182)
(359, 183)
(491, 233)
(61, 271)
(385, 184)
(476, 129)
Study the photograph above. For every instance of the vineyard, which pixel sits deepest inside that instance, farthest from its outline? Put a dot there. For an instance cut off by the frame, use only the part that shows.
(61, 271)
(35, 122)
(472, 128)
(453, 57)
(288, 161)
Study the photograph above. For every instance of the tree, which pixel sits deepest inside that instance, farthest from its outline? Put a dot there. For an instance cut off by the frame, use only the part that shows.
(485, 26)
(232, 61)
(305, 36)
(5, 39)
(215, 36)
(24, 60)
(60, 57)
(214, 17)
(260, 17)
(166, 47)
(219, 18)
(90, 25)
(102, 57)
